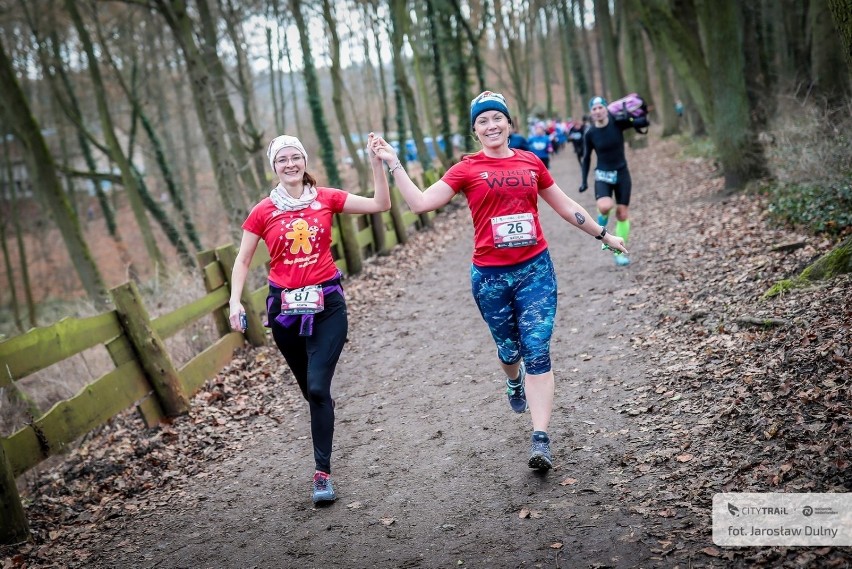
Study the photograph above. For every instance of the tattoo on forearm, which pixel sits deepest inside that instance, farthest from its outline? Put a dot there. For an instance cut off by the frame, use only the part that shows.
(580, 219)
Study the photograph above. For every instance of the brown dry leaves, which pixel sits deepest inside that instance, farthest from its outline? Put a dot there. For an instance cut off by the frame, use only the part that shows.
(758, 409)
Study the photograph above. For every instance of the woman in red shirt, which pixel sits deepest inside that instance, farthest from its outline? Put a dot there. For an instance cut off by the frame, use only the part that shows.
(512, 277)
(305, 307)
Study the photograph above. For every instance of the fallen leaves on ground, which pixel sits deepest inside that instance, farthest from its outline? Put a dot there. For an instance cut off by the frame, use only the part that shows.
(761, 407)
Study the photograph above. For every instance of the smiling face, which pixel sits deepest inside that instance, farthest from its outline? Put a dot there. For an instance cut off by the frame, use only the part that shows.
(492, 129)
(290, 167)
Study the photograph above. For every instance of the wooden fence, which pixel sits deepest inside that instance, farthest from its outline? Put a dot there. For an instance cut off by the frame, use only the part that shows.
(145, 376)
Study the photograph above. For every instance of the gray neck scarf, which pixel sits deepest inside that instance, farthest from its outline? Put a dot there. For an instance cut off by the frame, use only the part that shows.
(286, 202)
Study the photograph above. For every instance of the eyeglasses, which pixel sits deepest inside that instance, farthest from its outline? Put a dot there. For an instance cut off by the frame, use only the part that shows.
(291, 160)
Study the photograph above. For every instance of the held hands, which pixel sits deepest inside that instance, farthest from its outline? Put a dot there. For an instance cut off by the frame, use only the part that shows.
(370, 152)
(382, 148)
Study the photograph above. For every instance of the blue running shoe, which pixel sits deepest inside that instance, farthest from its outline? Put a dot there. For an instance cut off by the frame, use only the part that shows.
(540, 458)
(515, 391)
(323, 489)
(622, 260)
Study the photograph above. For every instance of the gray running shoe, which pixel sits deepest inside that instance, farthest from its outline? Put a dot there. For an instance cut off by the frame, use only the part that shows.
(540, 458)
(515, 391)
(323, 489)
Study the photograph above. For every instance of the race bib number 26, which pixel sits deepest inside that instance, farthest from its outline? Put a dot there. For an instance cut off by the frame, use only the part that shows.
(517, 230)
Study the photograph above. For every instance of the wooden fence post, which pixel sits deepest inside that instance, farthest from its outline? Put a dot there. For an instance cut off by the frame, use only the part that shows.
(150, 349)
(13, 527)
(205, 258)
(227, 255)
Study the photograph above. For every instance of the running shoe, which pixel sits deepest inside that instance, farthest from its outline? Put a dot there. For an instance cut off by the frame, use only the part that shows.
(515, 391)
(540, 458)
(323, 489)
(622, 260)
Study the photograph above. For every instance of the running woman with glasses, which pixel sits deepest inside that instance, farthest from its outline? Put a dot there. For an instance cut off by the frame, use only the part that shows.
(305, 307)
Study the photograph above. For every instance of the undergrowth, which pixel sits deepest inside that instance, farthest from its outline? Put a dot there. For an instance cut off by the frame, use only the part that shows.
(809, 153)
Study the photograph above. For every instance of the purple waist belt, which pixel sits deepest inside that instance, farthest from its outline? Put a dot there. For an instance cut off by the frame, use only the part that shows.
(306, 326)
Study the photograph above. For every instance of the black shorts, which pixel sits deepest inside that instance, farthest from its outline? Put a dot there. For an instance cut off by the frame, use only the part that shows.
(621, 188)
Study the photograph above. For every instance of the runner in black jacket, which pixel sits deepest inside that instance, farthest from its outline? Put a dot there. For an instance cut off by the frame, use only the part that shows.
(605, 137)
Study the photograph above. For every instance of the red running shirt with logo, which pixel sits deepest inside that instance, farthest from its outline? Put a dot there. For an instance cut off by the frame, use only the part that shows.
(502, 194)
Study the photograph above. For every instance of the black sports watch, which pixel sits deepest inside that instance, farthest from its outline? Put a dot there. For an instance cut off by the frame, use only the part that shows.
(601, 236)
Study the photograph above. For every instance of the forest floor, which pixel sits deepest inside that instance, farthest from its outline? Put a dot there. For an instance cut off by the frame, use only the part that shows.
(667, 393)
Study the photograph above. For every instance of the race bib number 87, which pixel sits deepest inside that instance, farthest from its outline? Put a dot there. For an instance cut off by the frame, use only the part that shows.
(517, 230)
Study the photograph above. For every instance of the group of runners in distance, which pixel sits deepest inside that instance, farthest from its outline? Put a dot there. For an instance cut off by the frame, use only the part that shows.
(513, 280)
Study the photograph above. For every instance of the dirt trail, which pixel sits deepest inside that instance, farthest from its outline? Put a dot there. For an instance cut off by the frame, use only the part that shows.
(429, 461)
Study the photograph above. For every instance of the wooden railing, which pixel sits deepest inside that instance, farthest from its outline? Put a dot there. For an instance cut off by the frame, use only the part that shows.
(144, 374)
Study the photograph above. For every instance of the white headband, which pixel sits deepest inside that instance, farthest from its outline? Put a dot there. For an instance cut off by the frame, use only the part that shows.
(284, 141)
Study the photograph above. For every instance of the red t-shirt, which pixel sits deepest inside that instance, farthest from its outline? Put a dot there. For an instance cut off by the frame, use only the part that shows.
(299, 242)
(497, 188)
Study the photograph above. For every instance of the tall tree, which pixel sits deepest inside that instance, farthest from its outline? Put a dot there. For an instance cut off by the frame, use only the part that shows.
(666, 110)
(253, 135)
(399, 24)
(128, 177)
(216, 73)
(609, 48)
(735, 140)
(841, 11)
(352, 250)
(827, 59)
(436, 40)
(231, 191)
(17, 115)
(635, 62)
(337, 89)
(510, 29)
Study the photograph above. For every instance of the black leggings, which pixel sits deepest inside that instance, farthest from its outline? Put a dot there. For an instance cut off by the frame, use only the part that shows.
(312, 360)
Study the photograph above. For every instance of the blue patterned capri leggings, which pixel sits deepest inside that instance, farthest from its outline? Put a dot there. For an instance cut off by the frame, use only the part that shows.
(518, 302)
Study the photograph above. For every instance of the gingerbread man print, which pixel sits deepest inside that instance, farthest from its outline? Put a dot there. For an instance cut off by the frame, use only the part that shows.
(301, 235)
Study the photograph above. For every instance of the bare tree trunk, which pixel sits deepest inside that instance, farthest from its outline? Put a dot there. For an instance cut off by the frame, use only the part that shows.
(547, 63)
(635, 62)
(473, 39)
(16, 113)
(231, 191)
(841, 11)
(348, 235)
(437, 38)
(400, 22)
(255, 146)
(293, 96)
(416, 41)
(217, 75)
(587, 46)
(189, 146)
(22, 253)
(827, 59)
(512, 54)
(609, 46)
(666, 110)
(115, 152)
(337, 89)
(736, 144)
(278, 115)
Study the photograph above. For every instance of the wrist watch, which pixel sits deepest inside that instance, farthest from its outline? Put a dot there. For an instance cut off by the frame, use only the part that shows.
(601, 236)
